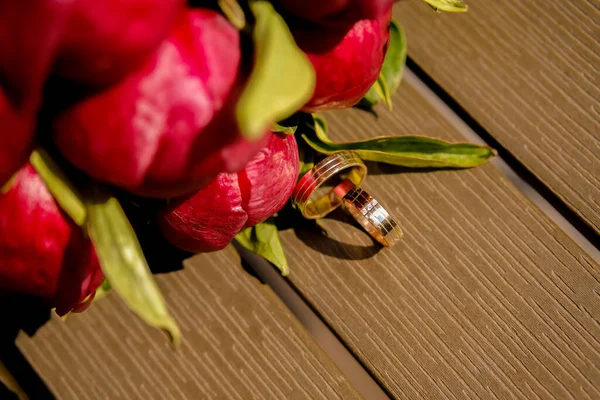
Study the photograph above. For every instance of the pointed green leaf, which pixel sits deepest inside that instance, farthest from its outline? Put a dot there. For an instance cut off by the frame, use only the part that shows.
(288, 130)
(59, 185)
(391, 70)
(282, 79)
(233, 12)
(8, 184)
(289, 125)
(321, 128)
(395, 59)
(263, 239)
(124, 264)
(102, 290)
(406, 151)
(447, 5)
(383, 91)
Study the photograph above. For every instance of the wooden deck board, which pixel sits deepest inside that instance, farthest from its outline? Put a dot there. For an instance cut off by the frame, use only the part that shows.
(529, 73)
(484, 295)
(240, 342)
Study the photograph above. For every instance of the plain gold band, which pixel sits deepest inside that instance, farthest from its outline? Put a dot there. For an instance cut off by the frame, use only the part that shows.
(335, 164)
(372, 216)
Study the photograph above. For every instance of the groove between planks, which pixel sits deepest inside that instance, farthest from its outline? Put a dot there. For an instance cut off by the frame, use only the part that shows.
(484, 297)
(529, 73)
(240, 342)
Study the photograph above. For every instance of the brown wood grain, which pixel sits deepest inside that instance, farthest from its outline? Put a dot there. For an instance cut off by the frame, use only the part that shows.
(484, 297)
(529, 73)
(239, 342)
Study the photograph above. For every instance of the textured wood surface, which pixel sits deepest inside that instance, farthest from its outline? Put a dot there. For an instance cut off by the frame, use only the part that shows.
(529, 73)
(240, 342)
(484, 297)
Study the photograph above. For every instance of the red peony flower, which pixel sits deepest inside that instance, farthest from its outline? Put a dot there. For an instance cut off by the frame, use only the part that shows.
(210, 219)
(169, 128)
(105, 40)
(43, 252)
(346, 72)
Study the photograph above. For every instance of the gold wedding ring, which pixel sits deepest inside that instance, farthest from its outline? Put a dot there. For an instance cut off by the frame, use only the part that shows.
(345, 164)
(349, 168)
(372, 216)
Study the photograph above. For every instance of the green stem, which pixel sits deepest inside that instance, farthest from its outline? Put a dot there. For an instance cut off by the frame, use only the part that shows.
(59, 185)
(234, 13)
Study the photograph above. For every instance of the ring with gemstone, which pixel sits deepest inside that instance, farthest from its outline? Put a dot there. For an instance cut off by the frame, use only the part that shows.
(372, 216)
(345, 166)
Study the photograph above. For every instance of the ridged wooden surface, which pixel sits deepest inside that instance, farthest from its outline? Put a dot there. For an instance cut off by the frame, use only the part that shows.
(484, 297)
(529, 73)
(240, 342)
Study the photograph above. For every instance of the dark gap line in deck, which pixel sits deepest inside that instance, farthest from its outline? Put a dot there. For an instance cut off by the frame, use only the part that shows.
(548, 201)
(358, 374)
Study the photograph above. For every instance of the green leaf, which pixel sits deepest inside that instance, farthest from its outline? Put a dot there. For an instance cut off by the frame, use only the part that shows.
(282, 79)
(59, 185)
(124, 264)
(233, 12)
(447, 5)
(395, 59)
(405, 151)
(263, 239)
(391, 70)
(320, 128)
(383, 91)
(288, 130)
(103, 290)
(8, 184)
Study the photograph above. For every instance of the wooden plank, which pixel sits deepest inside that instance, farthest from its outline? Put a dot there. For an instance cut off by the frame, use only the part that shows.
(529, 73)
(483, 297)
(240, 342)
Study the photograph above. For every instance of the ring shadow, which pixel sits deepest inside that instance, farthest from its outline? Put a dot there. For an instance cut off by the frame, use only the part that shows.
(313, 235)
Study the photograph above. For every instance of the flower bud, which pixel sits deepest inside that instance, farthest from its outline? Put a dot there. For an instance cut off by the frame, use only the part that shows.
(340, 14)
(346, 72)
(42, 252)
(210, 219)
